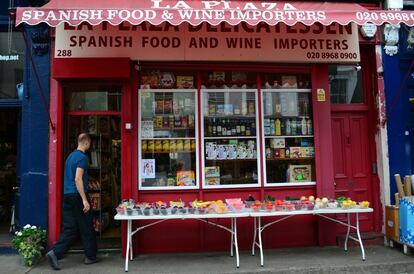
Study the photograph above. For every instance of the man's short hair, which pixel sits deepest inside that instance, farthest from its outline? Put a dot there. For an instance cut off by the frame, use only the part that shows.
(83, 137)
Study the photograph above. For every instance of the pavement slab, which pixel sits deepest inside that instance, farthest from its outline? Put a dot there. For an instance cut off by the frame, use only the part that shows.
(307, 260)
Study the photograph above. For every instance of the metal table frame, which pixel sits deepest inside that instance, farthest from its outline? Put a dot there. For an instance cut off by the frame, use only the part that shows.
(162, 218)
(258, 227)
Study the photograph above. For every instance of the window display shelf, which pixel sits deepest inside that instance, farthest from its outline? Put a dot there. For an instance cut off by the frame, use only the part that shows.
(229, 160)
(231, 116)
(291, 159)
(286, 90)
(168, 90)
(289, 136)
(230, 137)
(169, 138)
(166, 152)
(228, 90)
(294, 184)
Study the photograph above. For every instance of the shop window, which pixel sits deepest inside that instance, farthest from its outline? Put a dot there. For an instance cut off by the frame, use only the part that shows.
(230, 135)
(93, 99)
(168, 136)
(11, 65)
(345, 84)
(288, 129)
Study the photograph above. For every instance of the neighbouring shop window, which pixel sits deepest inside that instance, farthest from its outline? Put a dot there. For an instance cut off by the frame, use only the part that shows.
(11, 65)
(167, 152)
(288, 129)
(230, 134)
(345, 83)
(93, 99)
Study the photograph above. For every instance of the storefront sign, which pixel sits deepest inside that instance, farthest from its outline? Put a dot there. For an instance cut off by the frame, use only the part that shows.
(279, 43)
(321, 95)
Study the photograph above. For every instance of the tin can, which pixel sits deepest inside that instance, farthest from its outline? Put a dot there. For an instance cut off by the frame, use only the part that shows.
(165, 122)
(276, 153)
(268, 153)
(173, 146)
(166, 145)
(144, 146)
(187, 145)
(180, 146)
(184, 121)
(251, 108)
(282, 153)
(171, 121)
(191, 121)
(159, 122)
(158, 146)
(212, 109)
(150, 145)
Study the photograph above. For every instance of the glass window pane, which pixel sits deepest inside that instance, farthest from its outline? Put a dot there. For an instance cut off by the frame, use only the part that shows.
(168, 139)
(230, 137)
(345, 84)
(288, 128)
(11, 64)
(93, 99)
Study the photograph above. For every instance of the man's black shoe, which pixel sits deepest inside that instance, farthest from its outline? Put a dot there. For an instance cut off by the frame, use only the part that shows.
(52, 259)
(91, 261)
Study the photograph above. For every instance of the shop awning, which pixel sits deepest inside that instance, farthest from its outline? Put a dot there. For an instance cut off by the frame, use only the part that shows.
(195, 12)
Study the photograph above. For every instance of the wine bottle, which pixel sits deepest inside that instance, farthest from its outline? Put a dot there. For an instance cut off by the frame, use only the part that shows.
(293, 126)
(288, 127)
(214, 131)
(219, 128)
(309, 126)
(304, 126)
(253, 129)
(224, 128)
(242, 128)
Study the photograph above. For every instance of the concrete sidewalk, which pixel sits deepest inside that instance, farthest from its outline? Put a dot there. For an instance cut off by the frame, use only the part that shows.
(298, 260)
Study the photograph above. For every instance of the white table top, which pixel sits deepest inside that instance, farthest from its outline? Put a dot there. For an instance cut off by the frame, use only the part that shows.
(179, 216)
(246, 213)
(311, 212)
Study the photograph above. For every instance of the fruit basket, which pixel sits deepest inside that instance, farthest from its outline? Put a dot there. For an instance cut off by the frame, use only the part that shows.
(256, 206)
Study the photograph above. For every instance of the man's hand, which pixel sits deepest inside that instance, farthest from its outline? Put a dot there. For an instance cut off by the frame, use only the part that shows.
(86, 206)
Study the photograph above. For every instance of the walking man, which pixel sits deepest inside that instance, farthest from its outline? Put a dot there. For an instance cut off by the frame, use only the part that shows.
(76, 213)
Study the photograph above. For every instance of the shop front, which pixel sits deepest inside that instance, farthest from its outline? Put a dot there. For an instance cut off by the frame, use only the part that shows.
(234, 99)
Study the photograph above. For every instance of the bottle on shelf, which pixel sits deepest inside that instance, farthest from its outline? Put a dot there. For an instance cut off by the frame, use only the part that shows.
(224, 128)
(209, 128)
(304, 128)
(242, 129)
(272, 127)
(310, 127)
(288, 127)
(218, 129)
(214, 128)
(293, 126)
(253, 129)
(278, 128)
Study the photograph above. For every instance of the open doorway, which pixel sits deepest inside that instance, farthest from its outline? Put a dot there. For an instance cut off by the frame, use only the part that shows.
(97, 112)
(8, 169)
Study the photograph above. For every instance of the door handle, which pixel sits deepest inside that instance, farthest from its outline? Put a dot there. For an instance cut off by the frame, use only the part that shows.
(16, 188)
(334, 183)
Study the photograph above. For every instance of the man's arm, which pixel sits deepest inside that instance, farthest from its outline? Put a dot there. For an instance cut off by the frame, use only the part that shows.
(79, 187)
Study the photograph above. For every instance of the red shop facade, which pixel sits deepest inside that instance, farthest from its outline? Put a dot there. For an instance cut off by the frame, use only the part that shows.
(213, 108)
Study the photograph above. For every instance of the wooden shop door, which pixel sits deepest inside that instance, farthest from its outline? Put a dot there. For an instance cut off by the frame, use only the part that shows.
(352, 161)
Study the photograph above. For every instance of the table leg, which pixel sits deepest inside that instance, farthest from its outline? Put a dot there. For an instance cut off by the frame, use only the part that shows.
(259, 228)
(347, 232)
(232, 238)
(129, 225)
(254, 236)
(234, 220)
(359, 237)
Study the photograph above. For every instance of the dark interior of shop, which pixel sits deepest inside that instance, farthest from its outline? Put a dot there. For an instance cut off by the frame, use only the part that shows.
(8, 179)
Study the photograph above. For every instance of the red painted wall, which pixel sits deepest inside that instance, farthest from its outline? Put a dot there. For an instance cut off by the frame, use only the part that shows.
(191, 235)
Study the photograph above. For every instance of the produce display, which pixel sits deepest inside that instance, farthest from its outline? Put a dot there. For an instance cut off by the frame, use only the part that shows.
(269, 204)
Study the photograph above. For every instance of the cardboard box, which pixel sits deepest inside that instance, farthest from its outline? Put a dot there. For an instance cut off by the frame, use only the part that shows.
(300, 173)
(392, 221)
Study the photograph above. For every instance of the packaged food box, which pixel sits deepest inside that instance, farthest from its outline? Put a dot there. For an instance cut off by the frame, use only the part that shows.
(278, 143)
(295, 152)
(213, 181)
(185, 178)
(212, 171)
(300, 173)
